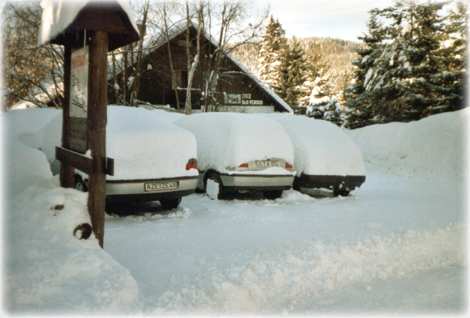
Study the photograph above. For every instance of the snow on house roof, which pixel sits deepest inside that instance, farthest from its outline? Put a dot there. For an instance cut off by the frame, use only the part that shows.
(58, 15)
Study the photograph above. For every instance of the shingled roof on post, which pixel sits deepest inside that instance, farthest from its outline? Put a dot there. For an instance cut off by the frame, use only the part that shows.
(62, 19)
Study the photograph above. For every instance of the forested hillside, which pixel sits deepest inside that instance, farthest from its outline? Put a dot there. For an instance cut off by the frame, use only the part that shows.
(332, 59)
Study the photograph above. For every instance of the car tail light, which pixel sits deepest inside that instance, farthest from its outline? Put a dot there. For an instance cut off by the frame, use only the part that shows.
(192, 164)
(289, 166)
(243, 165)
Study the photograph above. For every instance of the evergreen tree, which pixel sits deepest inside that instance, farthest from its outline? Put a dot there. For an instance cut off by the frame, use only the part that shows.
(452, 78)
(405, 73)
(293, 74)
(357, 98)
(273, 46)
(417, 59)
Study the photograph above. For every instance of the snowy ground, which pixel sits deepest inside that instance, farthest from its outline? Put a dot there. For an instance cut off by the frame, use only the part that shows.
(396, 245)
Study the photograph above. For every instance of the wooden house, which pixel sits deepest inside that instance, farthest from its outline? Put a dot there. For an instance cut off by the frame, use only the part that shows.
(237, 90)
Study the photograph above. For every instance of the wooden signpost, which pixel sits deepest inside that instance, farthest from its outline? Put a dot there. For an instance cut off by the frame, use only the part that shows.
(96, 28)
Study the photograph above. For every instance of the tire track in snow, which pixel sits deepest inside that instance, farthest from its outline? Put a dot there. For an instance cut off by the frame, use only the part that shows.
(277, 283)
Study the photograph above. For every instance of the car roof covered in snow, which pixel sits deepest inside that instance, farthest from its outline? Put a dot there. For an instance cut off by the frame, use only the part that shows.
(229, 139)
(321, 148)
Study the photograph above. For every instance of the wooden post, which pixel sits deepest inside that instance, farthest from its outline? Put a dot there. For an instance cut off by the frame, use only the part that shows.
(67, 178)
(97, 102)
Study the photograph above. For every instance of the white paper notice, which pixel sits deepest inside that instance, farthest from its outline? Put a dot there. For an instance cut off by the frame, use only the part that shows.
(79, 83)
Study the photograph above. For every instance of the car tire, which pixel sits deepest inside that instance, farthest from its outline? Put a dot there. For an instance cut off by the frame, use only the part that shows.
(170, 204)
(214, 176)
(341, 191)
(80, 184)
(273, 195)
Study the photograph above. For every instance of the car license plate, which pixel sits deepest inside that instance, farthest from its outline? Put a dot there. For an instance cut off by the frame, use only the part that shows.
(160, 186)
(264, 164)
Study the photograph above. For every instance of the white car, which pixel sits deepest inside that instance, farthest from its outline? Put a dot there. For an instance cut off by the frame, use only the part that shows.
(325, 157)
(153, 159)
(241, 152)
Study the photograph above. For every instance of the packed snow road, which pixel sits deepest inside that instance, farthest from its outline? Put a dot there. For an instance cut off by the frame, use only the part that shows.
(301, 254)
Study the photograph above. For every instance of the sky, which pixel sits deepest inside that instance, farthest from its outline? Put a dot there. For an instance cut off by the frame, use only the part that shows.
(344, 19)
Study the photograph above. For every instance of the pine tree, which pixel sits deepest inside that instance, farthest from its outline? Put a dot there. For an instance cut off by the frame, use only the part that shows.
(419, 60)
(273, 46)
(357, 98)
(293, 74)
(452, 76)
(404, 73)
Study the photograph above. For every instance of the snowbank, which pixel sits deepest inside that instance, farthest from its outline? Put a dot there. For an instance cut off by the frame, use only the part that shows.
(321, 148)
(47, 269)
(142, 144)
(432, 146)
(229, 139)
(24, 167)
(25, 124)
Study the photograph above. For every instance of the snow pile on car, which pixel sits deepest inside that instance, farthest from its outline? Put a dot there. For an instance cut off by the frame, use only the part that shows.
(431, 146)
(321, 148)
(229, 139)
(46, 268)
(142, 145)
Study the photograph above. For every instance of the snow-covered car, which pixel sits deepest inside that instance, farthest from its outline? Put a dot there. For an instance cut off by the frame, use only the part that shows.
(325, 157)
(153, 159)
(241, 152)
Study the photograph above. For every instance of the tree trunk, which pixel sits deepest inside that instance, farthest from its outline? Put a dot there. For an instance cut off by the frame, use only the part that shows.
(170, 57)
(142, 30)
(192, 66)
(124, 77)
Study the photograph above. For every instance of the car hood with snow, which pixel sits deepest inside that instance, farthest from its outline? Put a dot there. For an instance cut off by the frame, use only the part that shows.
(321, 148)
(142, 145)
(227, 142)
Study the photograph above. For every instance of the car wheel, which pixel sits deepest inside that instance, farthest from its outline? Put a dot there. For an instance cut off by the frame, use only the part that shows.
(272, 195)
(80, 184)
(216, 192)
(341, 191)
(170, 204)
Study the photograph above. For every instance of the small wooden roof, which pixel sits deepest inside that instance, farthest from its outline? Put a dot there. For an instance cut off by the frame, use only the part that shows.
(109, 16)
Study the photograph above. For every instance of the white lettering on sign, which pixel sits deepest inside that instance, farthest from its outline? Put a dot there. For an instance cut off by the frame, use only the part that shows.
(252, 102)
(79, 83)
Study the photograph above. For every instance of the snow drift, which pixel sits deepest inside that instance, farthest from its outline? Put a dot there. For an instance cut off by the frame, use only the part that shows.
(229, 139)
(26, 124)
(47, 269)
(431, 146)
